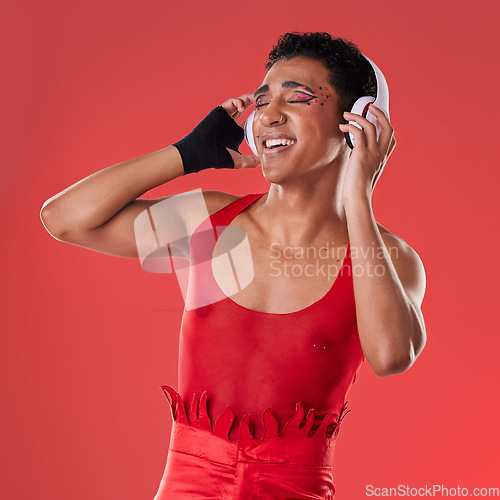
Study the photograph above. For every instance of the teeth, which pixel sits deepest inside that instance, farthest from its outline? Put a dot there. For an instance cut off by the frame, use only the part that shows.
(278, 142)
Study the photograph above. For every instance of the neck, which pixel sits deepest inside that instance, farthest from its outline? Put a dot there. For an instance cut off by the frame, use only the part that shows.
(303, 214)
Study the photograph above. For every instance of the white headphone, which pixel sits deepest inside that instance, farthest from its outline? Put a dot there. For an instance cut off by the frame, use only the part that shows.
(360, 107)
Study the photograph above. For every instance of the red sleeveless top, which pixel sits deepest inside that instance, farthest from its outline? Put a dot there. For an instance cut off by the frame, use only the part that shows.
(256, 361)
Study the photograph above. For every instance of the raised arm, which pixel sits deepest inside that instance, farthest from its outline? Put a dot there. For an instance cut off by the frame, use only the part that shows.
(390, 281)
(99, 211)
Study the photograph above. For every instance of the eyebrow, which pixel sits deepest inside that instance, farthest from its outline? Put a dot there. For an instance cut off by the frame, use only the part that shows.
(285, 85)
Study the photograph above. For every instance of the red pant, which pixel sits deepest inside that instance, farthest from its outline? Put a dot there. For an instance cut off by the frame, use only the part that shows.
(204, 464)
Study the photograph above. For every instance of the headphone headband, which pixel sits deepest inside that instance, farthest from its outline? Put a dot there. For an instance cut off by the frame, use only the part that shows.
(360, 107)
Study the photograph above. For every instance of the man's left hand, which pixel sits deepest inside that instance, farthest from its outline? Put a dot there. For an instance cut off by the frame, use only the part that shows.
(369, 156)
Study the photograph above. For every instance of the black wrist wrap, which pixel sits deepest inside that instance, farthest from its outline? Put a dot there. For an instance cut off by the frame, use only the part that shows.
(205, 147)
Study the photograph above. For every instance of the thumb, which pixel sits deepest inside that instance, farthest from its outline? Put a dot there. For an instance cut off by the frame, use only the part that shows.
(251, 161)
(243, 161)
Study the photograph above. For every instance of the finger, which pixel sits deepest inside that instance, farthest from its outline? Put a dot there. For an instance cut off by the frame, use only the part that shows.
(243, 161)
(386, 129)
(380, 114)
(244, 101)
(251, 161)
(238, 107)
(234, 106)
(368, 127)
(247, 99)
(359, 135)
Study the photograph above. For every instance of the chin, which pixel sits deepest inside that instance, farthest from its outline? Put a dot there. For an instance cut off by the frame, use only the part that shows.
(272, 177)
(274, 171)
(278, 173)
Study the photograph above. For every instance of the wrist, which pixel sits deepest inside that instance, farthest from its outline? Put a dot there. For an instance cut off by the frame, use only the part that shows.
(205, 147)
(357, 199)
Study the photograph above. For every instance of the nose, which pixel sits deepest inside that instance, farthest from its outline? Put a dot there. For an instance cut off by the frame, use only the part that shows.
(272, 115)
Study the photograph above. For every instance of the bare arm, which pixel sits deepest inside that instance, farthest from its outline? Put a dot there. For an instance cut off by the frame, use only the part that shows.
(99, 211)
(389, 286)
(389, 283)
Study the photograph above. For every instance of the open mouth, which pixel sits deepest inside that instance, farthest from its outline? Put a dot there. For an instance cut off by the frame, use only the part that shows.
(275, 146)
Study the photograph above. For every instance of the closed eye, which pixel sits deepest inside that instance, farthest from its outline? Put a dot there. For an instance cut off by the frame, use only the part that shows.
(303, 100)
(302, 97)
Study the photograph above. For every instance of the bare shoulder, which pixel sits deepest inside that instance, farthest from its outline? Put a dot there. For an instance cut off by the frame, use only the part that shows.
(217, 200)
(172, 220)
(189, 208)
(395, 244)
(407, 263)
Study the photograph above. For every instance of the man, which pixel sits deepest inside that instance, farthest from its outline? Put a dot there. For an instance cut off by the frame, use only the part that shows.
(289, 342)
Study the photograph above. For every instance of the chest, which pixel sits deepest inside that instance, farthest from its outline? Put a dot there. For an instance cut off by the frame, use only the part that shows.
(269, 276)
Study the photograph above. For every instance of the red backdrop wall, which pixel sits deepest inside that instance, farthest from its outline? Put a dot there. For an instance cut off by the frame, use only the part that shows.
(87, 339)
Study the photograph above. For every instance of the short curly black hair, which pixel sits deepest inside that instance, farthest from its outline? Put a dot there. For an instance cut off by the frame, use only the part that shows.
(351, 74)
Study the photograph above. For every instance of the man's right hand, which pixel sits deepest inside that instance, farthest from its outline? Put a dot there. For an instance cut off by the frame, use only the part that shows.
(235, 107)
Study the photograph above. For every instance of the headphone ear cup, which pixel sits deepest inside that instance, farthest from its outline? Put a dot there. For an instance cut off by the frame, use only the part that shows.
(249, 132)
(360, 107)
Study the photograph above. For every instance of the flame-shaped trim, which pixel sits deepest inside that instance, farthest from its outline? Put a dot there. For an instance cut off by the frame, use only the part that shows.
(294, 427)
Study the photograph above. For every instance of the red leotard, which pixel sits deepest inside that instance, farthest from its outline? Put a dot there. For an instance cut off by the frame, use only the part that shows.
(252, 361)
(247, 380)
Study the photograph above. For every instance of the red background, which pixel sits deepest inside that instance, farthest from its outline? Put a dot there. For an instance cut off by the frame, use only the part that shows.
(87, 339)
